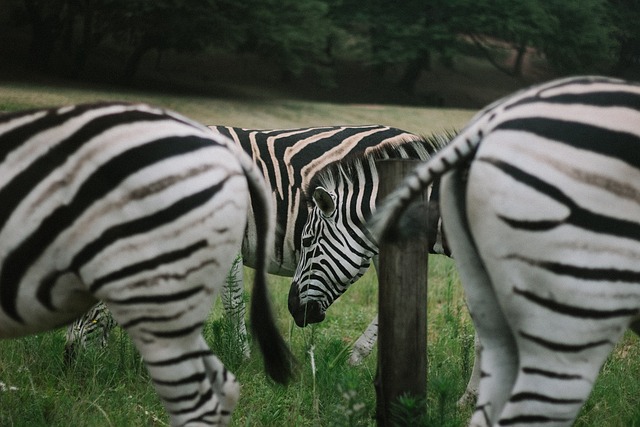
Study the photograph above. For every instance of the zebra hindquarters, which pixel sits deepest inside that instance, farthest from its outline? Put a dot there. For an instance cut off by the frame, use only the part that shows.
(165, 300)
(553, 236)
(498, 361)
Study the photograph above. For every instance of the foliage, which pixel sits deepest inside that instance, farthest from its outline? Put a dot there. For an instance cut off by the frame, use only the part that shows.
(291, 33)
(310, 35)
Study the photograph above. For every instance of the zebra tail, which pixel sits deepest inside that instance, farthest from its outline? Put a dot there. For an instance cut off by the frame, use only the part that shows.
(278, 358)
(389, 212)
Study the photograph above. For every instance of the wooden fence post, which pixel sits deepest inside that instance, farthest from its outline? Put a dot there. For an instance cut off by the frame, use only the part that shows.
(402, 328)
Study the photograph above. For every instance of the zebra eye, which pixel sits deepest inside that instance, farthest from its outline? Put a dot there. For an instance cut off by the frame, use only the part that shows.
(307, 241)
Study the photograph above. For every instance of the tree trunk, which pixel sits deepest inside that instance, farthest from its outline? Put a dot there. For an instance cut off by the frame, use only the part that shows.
(44, 33)
(520, 55)
(87, 41)
(412, 72)
(133, 63)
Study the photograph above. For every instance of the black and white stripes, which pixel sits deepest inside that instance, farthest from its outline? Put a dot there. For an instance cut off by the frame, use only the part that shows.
(546, 234)
(139, 208)
(336, 248)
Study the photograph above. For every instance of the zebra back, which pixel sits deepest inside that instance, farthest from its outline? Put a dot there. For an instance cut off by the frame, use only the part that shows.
(463, 147)
(289, 159)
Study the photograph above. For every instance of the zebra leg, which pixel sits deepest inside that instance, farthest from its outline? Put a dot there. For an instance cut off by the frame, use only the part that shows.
(179, 375)
(195, 387)
(73, 339)
(553, 383)
(498, 361)
(364, 345)
(234, 305)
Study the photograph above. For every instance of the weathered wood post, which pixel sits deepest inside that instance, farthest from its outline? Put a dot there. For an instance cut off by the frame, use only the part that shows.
(402, 328)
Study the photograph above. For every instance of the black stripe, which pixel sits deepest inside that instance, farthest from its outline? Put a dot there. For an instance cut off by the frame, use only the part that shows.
(148, 319)
(616, 144)
(12, 139)
(563, 347)
(175, 333)
(531, 419)
(204, 399)
(158, 299)
(102, 181)
(521, 397)
(179, 359)
(583, 273)
(578, 217)
(148, 265)
(617, 98)
(207, 417)
(620, 97)
(550, 374)
(575, 311)
(182, 397)
(198, 377)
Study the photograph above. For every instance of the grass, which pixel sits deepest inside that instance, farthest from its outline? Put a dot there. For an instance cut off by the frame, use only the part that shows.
(110, 387)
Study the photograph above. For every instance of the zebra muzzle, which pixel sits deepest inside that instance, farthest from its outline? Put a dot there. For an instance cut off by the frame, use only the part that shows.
(304, 313)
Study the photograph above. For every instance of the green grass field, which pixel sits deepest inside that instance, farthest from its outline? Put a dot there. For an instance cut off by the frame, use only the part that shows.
(111, 388)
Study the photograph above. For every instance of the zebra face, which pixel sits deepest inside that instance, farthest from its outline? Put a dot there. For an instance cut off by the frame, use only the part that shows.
(335, 252)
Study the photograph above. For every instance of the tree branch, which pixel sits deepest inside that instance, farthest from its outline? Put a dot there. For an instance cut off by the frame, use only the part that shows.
(477, 41)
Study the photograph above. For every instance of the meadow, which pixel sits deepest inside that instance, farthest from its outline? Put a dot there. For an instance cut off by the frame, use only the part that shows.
(109, 387)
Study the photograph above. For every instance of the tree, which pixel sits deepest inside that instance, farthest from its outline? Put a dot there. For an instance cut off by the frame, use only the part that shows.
(407, 32)
(574, 35)
(519, 24)
(46, 19)
(293, 34)
(626, 15)
(181, 25)
(582, 36)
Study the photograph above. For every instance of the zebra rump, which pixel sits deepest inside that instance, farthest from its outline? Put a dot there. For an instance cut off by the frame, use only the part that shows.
(142, 209)
(546, 236)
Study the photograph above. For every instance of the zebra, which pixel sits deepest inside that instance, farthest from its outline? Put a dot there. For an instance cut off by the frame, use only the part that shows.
(546, 234)
(288, 160)
(137, 207)
(292, 160)
(96, 323)
(335, 248)
(297, 162)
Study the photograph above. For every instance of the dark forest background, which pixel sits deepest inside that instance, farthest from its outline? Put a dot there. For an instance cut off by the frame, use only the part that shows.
(411, 51)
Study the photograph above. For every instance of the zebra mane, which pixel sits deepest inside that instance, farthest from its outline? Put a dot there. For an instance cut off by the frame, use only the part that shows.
(422, 147)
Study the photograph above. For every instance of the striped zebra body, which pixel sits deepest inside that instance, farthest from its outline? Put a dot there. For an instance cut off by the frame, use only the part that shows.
(139, 208)
(336, 247)
(546, 234)
(331, 159)
(291, 161)
(307, 167)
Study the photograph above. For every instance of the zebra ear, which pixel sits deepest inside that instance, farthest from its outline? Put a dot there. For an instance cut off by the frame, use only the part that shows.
(324, 201)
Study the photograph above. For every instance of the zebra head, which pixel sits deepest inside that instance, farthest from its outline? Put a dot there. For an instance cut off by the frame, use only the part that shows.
(336, 249)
